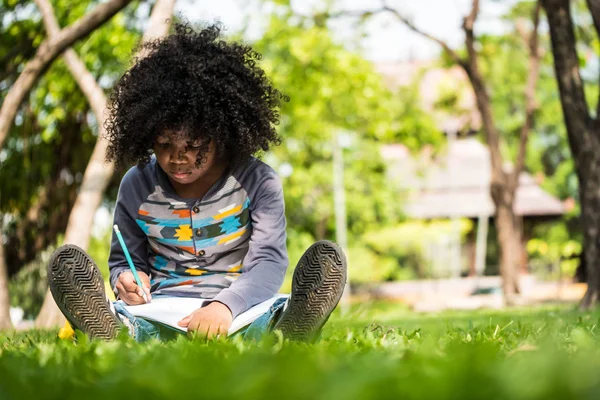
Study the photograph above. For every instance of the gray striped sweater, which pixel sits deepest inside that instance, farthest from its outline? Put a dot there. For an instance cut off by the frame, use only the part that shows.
(228, 246)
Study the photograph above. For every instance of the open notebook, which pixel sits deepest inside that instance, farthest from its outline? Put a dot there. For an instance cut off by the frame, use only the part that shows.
(170, 310)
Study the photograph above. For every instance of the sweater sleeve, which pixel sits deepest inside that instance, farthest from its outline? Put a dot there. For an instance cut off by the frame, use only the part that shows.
(265, 263)
(128, 202)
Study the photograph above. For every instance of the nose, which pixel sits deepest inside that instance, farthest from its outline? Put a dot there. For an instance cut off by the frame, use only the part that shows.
(177, 156)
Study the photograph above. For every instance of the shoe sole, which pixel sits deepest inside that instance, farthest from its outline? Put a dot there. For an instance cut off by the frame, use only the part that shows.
(78, 289)
(317, 287)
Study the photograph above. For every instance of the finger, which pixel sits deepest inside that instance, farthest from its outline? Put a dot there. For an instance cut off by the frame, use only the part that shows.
(129, 284)
(185, 321)
(213, 331)
(125, 276)
(193, 325)
(135, 290)
(132, 299)
(203, 329)
(136, 295)
(144, 278)
(223, 330)
(120, 289)
(123, 294)
(143, 295)
(145, 283)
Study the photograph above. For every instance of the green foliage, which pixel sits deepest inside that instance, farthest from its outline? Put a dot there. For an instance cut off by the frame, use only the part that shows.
(379, 351)
(552, 246)
(106, 53)
(334, 91)
(408, 244)
(28, 287)
(504, 63)
(298, 242)
(48, 147)
(99, 249)
(367, 266)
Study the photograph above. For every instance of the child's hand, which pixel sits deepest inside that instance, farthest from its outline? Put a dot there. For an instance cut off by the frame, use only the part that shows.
(209, 321)
(129, 291)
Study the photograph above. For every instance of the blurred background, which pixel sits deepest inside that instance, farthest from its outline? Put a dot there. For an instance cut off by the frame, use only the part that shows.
(385, 149)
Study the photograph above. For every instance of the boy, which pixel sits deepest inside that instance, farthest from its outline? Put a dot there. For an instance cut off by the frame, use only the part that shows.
(200, 215)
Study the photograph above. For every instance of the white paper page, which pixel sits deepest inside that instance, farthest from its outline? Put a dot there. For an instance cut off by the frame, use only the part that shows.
(170, 310)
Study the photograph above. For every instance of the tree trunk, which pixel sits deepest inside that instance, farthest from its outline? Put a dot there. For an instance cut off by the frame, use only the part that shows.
(583, 132)
(509, 237)
(503, 187)
(5, 322)
(589, 182)
(471, 248)
(526, 236)
(97, 175)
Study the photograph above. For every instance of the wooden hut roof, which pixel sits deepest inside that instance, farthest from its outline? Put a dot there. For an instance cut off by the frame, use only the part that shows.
(456, 184)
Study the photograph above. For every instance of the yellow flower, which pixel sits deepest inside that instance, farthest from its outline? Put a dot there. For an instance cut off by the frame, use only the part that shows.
(66, 332)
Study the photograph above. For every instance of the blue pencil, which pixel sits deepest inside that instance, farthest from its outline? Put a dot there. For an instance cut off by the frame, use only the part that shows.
(131, 266)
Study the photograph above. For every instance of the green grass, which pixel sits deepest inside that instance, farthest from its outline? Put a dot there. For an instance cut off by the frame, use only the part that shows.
(378, 351)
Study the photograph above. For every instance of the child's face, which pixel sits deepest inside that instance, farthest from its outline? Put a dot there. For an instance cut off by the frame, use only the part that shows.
(176, 154)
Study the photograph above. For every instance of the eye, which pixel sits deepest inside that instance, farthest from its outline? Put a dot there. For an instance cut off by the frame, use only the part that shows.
(193, 147)
(163, 145)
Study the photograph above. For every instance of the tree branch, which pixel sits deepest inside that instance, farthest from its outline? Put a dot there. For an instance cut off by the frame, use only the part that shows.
(159, 23)
(481, 96)
(46, 53)
(86, 81)
(453, 54)
(530, 105)
(469, 21)
(385, 8)
(468, 24)
(160, 18)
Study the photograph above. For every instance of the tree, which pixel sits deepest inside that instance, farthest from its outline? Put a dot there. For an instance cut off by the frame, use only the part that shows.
(334, 91)
(45, 154)
(45, 54)
(583, 130)
(97, 174)
(503, 183)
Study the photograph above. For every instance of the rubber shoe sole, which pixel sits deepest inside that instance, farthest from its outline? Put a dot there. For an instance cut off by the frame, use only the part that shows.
(317, 287)
(78, 289)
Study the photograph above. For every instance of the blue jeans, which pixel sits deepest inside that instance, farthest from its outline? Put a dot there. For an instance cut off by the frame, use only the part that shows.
(141, 329)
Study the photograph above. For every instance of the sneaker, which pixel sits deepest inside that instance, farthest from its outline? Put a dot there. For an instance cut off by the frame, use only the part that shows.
(78, 289)
(317, 287)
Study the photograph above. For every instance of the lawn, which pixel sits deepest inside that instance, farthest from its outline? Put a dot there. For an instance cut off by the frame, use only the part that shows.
(376, 351)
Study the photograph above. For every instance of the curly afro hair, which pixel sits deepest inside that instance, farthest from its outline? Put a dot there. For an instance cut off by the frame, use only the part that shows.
(195, 83)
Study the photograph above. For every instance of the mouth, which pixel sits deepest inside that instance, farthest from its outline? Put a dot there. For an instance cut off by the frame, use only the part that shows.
(179, 175)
